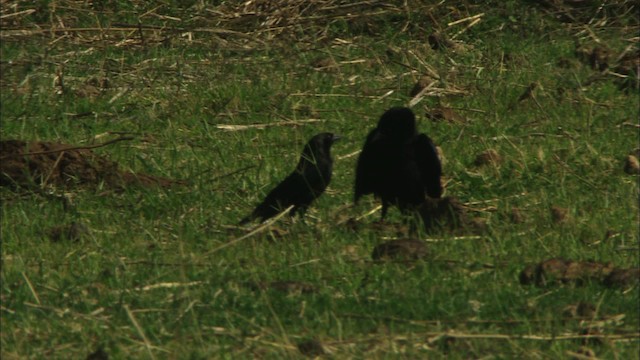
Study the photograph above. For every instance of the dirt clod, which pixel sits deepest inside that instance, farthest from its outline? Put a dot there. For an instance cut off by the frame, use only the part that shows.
(446, 212)
(516, 216)
(592, 336)
(622, 68)
(559, 214)
(599, 58)
(583, 353)
(443, 113)
(406, 249)
(580, 310)
(439, 41)
(70, 232)
(488, 157)
(324, 63)
(99, 354)
(311, 348)
(631, 165)
(577, 272)
(622, 278)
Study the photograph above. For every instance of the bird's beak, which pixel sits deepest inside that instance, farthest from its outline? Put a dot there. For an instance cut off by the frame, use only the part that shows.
(336, 138)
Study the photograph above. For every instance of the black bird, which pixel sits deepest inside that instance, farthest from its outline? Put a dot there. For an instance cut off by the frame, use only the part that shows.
(397, 164)
(304, 184)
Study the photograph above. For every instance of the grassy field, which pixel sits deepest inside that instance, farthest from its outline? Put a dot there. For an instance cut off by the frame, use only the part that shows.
(225, 96)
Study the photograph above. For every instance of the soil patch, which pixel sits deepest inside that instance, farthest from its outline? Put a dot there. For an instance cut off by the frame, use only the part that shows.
(404, 249)
(450, 214)
(578, 272)
(285, 286)
(27, 164)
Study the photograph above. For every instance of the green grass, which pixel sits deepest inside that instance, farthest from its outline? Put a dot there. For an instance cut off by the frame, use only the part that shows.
(66, 299)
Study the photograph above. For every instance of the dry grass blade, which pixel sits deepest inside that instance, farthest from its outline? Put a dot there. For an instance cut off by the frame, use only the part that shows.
(53, 168)
(544, 337)
(231, 127)
(469, 26)
(260, 228)
(342, 157)
(274, 19)
(19, 13)
(335, 95)
(140, 332)
(470, 18)
(167, 285)
(33, 291)
(416, 99)
(455, 238)
(431, 90)
(369, 213)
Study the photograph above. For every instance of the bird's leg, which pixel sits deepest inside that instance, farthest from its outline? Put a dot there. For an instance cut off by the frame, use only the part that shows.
(300, 211)
(293, 211)
(383, 213)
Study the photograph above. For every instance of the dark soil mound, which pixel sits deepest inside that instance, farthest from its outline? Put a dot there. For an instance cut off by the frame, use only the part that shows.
(450, 214)
(406, 249)
(28, 164)
(577, 272)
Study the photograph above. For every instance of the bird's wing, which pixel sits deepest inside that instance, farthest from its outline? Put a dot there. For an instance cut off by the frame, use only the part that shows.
(277, 199)
(366, 167)
(429, 165)
(316, 171)
(287, 191)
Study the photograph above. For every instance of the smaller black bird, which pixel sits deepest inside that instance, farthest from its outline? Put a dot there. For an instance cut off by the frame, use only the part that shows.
(306, 183)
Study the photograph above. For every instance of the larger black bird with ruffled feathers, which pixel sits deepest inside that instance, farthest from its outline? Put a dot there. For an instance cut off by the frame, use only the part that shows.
(306, 183)
(397, 164)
